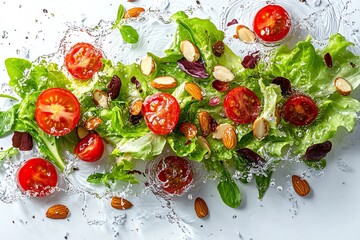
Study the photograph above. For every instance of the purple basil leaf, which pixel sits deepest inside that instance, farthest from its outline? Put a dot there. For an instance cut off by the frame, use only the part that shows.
(194, 69)
(232, 22)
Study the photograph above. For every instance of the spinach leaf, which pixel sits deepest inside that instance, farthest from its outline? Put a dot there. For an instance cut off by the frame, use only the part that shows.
(263, 183)
(129, 34)
(228, 190)
(119, 17)
(7, 120)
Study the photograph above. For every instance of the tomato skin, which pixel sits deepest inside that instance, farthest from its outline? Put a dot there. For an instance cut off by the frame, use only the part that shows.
(90, 148)
(242, 105)
(57, 111)
(299, 110)
(174, 174)
(37, 177)
(161, 112)
(272, 23)
(83, 60)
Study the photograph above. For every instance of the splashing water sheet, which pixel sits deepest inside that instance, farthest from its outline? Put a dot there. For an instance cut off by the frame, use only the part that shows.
(47, 29)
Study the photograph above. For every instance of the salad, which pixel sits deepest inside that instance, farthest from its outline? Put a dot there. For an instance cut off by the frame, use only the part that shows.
(201, 99)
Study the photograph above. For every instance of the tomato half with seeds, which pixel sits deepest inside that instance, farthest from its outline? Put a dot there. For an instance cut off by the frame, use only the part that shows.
(57, 111)
(83, 60)
(299, 110)
(37, 177)
(272, 23)
(174, 174)
(242, 105)
(161, 112)
(90, 148)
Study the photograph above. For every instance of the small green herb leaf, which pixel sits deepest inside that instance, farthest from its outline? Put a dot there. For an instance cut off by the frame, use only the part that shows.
(120, 15)
(6, 154)
(263, 183)
(228, 190)
(129, 34)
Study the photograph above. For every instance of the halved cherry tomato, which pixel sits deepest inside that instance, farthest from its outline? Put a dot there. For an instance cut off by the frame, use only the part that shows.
(37, 177)
(83, 60)
(161, 112)
(174, 174)
(242, 105)
(57, 111)
(299, 110)
(272, 23)
(90, 148)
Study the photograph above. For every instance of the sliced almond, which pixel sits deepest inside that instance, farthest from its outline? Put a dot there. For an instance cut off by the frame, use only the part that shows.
(301, 186)
(92, 123)
(188, 129)
(342, 86)
(136, 107)
(245, 34)
(223, 74)
(260, 128)
(194, 90)
(229, 138)
(201, 208)
(189, 51)
(218, 134)
(147, 65)
(58, 211)
(134, 12)
(101, 98)
(163, 83)
(205, 144)
(204, 122)
(120, 203)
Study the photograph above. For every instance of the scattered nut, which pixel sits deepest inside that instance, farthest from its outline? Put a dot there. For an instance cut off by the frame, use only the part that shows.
(342, 86)
(194, 90)
(260, 128)
(204, 122)
(223, 74)
(245, 34)
(188, 129)
(163, 83)
(136, 106)
(229, 138)
(134, 12)
(301, 186)
(81, 132)
(57, 211)
(147, 65)
(120, 203)
(92, 123)
(189, 50)
(201, 208)
(101, 98)
(218, 133)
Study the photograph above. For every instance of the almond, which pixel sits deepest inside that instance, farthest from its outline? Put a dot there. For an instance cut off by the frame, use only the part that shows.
(342, 86)
(229, 138)
(57, 211)
(81, 132)
(245, 34)
(120, 203)
(163, 83)
(101, 98)
(260, 128)
(188, 129)
(301, 186)
(223, 74)
(136, 107)
(189, 51)
(205, 144)
(147, 65)
(218, 134)
(204, 122)
(134, 12)
(92, 123)
(201, 208)
(194, 90)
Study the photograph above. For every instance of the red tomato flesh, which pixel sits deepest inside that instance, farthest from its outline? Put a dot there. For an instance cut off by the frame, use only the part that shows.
(37, 177)
(174, 174)
(272, 23)
(242, 105)
(83, 60)
(299, 110)
(90, 148)
(161, 112)
(57, 111)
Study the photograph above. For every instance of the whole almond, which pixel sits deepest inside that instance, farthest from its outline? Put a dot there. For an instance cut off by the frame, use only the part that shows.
(218, 134)
(92, 123)
(134, 12)
(223, 74)
(189, 51)
(136, 107)
(147, 65)
(188, 129)
(163, 83)
(260, 128)
(194, 90)
(201, 208)
(120, 203)
(245, 34)
(204, 122)
(342, 86)
(301, 186)
(229, 138)
(57, 211)
(101, 98)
